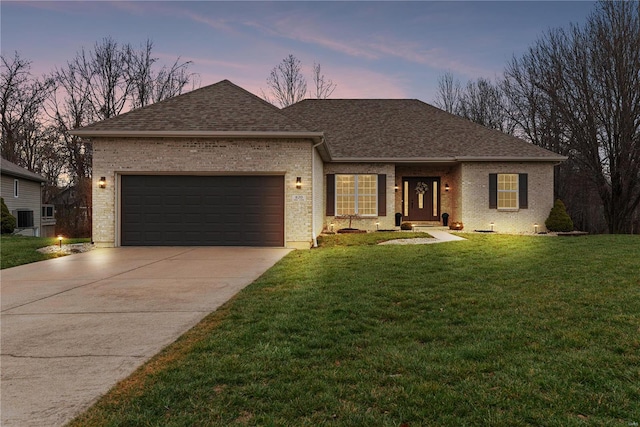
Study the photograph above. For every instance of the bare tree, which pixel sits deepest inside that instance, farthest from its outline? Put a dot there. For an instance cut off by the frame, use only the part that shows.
(286, 83)
(324, 87)
(589, 79)
(448, 95)
(105, 71)
(95, 85)
(148, 85)
(482, 102)
(21, 101)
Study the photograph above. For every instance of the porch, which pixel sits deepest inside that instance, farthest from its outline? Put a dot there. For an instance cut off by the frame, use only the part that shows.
(426, 192)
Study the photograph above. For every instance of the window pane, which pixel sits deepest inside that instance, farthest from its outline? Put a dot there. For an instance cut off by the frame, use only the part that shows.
(406, 198)
(356, 194)
(507, 181)
(345, 195)
(367, 184)
(367, 194)
(508, 191)
(367, 205)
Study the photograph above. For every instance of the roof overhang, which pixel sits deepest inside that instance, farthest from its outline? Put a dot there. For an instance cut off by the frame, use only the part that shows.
(90, 133)
(455, 159)
(511, 159)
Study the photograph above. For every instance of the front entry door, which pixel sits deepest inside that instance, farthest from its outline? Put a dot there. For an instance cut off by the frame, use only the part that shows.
(421, 199)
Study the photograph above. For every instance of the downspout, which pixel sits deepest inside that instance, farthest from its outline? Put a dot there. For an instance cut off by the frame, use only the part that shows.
(313, 205)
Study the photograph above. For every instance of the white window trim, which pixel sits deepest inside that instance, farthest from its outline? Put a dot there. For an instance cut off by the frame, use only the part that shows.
(516, 191)
(16, 188)
(355, 194)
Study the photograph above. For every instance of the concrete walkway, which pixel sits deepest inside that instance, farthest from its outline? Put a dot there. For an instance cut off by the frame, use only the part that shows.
(438, 236)
(72, 327)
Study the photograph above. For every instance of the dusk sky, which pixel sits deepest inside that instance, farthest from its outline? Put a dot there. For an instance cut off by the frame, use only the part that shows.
(369, 49)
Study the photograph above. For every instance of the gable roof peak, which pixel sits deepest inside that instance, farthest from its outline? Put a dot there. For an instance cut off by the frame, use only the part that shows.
(218, 107)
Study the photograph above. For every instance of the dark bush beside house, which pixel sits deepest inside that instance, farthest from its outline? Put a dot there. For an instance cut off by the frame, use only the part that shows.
(8, 220)
(406, 226)
(559, 220)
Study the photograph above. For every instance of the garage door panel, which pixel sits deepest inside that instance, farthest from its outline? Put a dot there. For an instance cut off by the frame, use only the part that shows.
(202, 210)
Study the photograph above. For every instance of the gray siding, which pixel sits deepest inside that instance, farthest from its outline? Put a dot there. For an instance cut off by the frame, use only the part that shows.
(29, 197)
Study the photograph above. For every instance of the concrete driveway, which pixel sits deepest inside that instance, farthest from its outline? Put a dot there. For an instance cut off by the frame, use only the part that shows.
(74, 326)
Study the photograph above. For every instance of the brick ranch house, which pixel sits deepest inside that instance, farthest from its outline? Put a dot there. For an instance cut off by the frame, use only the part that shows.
(220, 166)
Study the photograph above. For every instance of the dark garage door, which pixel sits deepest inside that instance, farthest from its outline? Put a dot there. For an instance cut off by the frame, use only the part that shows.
(202, 210)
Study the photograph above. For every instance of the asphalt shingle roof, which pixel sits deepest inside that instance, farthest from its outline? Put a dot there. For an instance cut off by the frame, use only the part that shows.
(220, 107)
(8, 168)
(357, 129)
(403, 129)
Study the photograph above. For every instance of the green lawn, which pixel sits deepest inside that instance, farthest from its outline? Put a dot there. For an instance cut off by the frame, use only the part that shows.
(494, 331)
(18, 250)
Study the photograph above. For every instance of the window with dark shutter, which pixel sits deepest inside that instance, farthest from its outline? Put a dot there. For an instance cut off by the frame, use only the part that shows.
(331, 195)
(508, 191)
(523, 190)
(493, 191)
(382, 195)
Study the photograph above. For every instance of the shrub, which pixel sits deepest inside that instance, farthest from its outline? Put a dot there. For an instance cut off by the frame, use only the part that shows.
(406, 226)
(8, 220)
(559, 219)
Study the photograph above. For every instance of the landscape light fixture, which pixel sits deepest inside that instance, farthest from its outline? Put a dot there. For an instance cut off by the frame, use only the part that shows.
(103, 182)
(298, 183)
(535, 227)
(331, 225)
(446, 187)
(492, 224)
(377, 226)
(60, 241)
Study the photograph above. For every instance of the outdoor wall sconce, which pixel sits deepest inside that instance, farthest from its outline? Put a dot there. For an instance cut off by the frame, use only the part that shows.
(396, 188)
(446, 187)
(103, 182)
(298, 183)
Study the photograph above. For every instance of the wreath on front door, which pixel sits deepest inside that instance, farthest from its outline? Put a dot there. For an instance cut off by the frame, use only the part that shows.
(422, 187)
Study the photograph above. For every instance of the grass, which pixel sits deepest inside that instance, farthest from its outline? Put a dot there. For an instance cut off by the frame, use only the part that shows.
(493, 331)
(18, 250)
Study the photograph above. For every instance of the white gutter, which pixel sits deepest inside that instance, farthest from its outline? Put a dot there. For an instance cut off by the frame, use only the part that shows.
(313, 204)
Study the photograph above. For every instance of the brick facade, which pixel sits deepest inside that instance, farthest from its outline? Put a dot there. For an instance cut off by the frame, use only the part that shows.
(290, 158)
(476, 213)
(369, 223)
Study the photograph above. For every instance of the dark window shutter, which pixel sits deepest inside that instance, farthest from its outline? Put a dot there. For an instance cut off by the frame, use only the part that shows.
(523, 188)
(331, 195)
(382, 195)
(493, 191)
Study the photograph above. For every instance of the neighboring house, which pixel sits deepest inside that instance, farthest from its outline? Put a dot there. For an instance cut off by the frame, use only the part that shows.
(220, 166)
(22, 193)
(73, 210)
